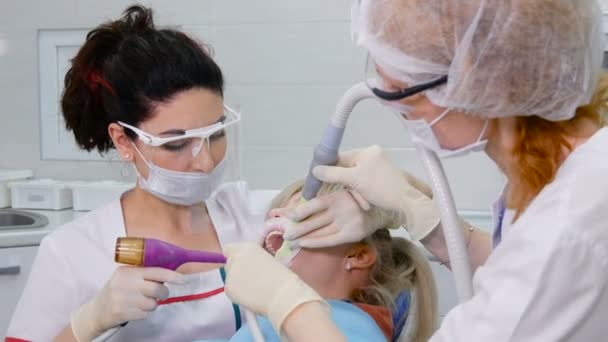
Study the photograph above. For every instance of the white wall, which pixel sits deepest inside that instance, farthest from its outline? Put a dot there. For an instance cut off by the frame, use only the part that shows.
(286, 64)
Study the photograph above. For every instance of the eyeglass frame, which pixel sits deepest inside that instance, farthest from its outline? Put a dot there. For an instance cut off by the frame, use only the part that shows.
(407, 92)
(203, 133)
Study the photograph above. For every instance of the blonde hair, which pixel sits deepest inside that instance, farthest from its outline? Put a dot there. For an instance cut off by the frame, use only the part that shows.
(399, 266)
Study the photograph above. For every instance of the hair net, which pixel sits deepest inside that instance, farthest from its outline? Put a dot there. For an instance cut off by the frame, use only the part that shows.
(502, 57)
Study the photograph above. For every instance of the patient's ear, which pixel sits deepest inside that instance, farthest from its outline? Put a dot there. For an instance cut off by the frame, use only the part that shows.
(361, 256)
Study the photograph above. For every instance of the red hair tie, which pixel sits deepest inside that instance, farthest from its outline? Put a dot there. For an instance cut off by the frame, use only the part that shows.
(95, 79)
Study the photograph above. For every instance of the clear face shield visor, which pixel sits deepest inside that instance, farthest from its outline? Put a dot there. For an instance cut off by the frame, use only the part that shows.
(189, 142)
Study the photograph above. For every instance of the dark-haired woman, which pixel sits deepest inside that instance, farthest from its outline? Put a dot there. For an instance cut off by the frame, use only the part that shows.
(156, 96)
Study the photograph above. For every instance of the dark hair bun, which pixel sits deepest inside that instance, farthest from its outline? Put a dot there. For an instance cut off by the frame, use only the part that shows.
(124, 67)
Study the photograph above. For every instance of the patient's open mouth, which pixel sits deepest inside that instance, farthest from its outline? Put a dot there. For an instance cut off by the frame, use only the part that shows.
(273, 241)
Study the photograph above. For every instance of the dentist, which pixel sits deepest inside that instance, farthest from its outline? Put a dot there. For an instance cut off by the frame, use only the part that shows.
(156, 97)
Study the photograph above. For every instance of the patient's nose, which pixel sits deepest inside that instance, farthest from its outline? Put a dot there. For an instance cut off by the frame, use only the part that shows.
(278, 212)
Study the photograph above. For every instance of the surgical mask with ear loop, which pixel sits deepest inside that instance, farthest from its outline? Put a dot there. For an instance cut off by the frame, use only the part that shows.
(180, 188)
(422, 133)
(420, 130)
(184, 188)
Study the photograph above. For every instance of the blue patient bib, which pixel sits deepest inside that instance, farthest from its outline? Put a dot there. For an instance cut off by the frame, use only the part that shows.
(353, 322)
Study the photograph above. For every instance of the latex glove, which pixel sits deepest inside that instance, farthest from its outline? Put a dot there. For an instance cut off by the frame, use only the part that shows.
(257, 281)
(131, 294)
(379, 181)
(332, 220)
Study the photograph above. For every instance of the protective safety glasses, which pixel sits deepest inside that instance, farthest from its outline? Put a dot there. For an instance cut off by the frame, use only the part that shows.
(374, 82)
(191, 140)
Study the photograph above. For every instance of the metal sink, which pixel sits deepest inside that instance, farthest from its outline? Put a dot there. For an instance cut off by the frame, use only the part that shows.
(17, 219)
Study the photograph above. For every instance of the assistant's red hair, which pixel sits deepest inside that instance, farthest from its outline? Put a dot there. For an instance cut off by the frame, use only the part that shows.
(542, 145)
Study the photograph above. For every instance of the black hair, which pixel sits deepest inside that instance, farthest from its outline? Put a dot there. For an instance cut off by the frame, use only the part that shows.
(124, 68)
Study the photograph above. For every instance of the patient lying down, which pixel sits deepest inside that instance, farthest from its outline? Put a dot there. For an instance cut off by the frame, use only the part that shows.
(379, 289)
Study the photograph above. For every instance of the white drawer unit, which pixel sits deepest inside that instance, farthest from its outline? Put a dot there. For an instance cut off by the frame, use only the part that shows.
(7, 176)
(44, 194)
(15, 266)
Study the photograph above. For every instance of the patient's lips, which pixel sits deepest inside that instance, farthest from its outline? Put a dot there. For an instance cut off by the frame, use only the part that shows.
(273, 241)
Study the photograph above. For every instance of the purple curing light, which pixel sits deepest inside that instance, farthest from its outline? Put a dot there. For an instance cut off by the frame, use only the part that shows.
(157, 253)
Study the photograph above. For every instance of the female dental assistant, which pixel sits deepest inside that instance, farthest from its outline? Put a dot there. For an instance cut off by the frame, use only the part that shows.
(521, 81)
(156, 96)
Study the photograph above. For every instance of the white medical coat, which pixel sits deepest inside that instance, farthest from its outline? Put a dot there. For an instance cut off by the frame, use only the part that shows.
(75, 262)
(547, 280)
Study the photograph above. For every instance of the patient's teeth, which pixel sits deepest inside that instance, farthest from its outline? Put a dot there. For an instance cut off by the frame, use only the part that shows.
(273, 242)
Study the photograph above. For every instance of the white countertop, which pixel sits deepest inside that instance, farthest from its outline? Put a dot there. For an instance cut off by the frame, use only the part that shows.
(57, 218)
(32, 237)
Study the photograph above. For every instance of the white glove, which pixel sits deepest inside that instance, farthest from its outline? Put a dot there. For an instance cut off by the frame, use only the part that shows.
(131, 294)
(332, 220)
(257, 281)
(370, 173)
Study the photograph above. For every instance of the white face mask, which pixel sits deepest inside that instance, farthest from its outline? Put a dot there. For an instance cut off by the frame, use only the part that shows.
(422, 133)
(180, 188)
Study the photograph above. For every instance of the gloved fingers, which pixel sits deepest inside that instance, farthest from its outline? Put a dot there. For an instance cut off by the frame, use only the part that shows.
(363, 203)
(320, 238)
(161, 275)
(115, 301)
(327, 241)
(243, 253)
(138, 314)
(230, 250)
(277, 223)
(346, 176)
(138, 309)
(236, 254)
(311, 224)
(320, 233)
(355, 157)
(247, 260)
(330, 229)
(147, 304)
(124, 313)
(418, 184)
(230, 290)
(349, 158)
(309, 208)
(152, 289)
(233, 277)
(121, 306)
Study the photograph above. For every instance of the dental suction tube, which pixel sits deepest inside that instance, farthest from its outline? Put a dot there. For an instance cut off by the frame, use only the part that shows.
(326, 153)
(450, 223)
